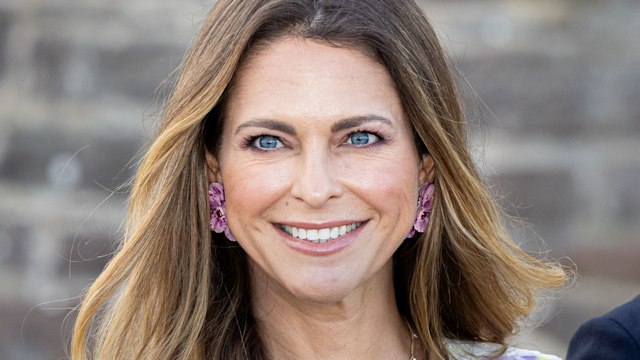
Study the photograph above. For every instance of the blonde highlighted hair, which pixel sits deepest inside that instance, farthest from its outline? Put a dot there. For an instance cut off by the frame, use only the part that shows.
(174, 290)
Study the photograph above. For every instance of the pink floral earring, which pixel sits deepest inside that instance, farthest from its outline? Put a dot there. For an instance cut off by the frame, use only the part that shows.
(218, 219)
(425, 204)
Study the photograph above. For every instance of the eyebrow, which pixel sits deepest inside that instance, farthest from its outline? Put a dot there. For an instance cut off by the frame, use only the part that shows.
(342, 124)
(268, 124)
(356, 121)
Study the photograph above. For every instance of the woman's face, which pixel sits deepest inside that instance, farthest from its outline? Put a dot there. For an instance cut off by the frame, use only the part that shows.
(320, 170)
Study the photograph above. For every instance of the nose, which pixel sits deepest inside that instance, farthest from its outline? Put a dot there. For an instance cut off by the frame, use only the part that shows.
(315, 182)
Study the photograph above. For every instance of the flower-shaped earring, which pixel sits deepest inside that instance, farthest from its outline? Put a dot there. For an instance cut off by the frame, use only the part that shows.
(218, 218)
(425, 204)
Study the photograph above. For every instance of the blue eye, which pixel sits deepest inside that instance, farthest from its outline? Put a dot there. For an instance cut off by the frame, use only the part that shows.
(265, 142)
(361, 138)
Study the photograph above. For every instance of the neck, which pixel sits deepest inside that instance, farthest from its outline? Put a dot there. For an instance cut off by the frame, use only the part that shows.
(363, 324)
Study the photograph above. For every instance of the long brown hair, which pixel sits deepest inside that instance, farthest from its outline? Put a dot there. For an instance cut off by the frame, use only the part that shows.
(174, 290)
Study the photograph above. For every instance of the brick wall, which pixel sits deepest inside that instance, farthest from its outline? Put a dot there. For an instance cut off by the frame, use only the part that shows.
(556, 125)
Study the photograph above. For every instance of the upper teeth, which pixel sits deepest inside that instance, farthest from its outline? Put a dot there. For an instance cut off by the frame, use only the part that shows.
(319, 235)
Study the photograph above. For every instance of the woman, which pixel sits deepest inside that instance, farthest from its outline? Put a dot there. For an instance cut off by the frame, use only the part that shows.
(310, 195)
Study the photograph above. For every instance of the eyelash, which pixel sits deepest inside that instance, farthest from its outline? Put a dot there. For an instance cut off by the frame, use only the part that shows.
(249, 140)
(381, 139)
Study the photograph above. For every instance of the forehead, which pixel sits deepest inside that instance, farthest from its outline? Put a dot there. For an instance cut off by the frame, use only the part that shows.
(309, 78)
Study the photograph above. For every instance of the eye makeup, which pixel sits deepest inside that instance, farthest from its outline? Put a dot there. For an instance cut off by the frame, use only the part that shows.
(355, 138)
(263, 142)
(363, 133)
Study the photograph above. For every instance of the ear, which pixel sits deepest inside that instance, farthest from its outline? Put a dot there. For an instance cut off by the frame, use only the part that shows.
(427, 169)
(213, 167)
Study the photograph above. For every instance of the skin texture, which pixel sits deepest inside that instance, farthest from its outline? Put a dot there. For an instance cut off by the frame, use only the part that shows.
(339, 305)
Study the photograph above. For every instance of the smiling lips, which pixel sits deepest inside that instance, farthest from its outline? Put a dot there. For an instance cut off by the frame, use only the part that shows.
(319, 235)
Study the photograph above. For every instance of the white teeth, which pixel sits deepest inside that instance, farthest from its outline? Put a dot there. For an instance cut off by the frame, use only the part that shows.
(319, 235)
(324, 234)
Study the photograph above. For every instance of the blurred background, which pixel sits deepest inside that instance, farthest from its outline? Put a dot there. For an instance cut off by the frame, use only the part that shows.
(552, 91)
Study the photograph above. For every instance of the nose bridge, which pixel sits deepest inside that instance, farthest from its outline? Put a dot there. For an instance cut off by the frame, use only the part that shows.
(315, 181)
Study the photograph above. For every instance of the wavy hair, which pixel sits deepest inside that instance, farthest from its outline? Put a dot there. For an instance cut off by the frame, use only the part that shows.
(175, 290)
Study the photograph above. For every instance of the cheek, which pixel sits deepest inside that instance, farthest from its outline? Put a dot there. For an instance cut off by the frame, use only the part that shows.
(254, 187)
(387, 183)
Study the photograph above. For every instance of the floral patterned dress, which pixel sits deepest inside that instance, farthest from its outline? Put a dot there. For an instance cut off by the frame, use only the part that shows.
(468, 350)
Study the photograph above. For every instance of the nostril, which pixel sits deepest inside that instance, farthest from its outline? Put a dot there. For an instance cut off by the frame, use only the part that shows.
(315, 182)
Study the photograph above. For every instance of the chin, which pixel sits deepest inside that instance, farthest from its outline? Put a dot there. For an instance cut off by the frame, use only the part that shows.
(321, 285)
(320, 294)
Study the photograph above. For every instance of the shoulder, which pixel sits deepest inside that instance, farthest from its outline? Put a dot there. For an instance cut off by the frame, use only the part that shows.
(627, 315)
(469, 350)
(616, 332)
(624, 318)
